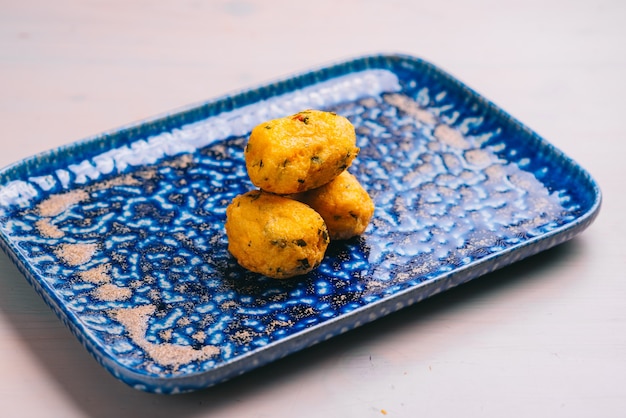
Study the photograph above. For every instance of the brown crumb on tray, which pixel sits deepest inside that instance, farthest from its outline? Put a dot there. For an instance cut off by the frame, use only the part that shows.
(76, 254)
(110, 293)
(96, 275)
(47, 229)
(277, 324)
(410, 107)
(242, 336)
(199, 336)
(135, 320)
(59, 203)
(451, 137)
(122, 180)
(184, 161)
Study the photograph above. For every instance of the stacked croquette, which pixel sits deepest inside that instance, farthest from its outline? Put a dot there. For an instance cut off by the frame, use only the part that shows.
(306, 196)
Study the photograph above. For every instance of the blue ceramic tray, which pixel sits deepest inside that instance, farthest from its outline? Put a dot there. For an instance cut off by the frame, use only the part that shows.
(122, 234)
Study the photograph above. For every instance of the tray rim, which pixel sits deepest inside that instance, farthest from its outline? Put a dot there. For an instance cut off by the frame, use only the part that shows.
(317, 333)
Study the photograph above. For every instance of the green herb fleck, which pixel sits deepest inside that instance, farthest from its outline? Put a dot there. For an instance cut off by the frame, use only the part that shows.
(280, 243)
(304, 263)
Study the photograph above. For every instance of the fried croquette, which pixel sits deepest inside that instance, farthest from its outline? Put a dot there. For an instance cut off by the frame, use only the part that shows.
(344, 204)
(274, 235)
(300, 152)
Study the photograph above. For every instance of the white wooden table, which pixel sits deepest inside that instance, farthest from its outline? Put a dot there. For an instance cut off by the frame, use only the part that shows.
(545, 337)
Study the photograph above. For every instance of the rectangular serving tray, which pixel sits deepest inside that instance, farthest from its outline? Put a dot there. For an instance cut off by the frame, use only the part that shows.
(122, 234)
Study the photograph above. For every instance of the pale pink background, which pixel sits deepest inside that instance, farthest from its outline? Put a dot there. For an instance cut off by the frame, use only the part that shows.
(543, 338)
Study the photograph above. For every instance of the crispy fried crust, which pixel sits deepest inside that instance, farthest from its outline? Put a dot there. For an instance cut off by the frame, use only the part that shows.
(344, 205)
(274, 235)
(300, 152)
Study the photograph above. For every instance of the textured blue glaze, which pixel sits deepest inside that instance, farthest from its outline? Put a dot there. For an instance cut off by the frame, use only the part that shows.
(122, 234)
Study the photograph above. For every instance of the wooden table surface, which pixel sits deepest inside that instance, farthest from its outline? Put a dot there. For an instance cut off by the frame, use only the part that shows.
(545, 337)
